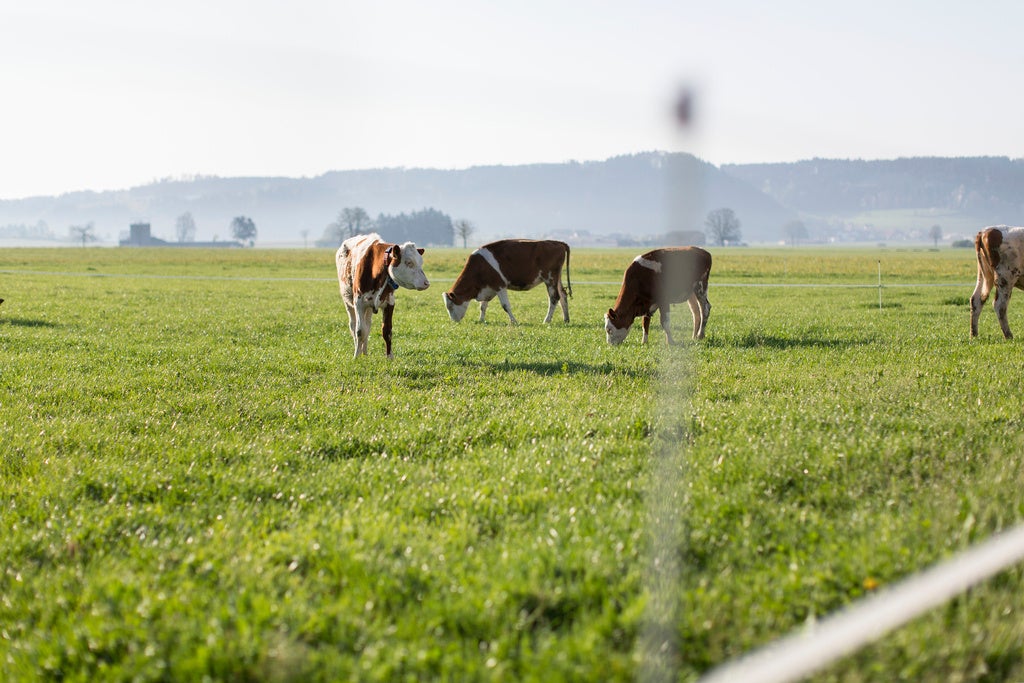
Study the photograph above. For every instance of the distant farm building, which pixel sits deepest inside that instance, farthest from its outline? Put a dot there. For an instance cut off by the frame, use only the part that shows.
(139, 235)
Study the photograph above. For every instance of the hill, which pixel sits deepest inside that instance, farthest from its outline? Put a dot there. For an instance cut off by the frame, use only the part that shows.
(624, 197)
(634, 198)
(857, 199)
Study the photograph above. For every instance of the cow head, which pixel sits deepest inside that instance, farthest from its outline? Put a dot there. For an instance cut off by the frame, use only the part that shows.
(615, 334)
(405, 266)
(455, 311)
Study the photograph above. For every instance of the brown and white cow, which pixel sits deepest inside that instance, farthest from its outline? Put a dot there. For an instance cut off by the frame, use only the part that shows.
(654, 281)
(1000, 251)
(495, 268)
(369, 272)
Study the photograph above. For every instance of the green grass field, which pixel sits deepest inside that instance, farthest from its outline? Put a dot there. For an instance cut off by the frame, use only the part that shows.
(199, 482)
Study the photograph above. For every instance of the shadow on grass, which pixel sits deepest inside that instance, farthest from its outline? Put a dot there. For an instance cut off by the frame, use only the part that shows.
(349, 449)
(753, 340)
(23, 322)
(550, 368)
(874, 306)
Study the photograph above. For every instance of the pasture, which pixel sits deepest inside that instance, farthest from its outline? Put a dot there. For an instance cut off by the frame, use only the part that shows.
(199, 482)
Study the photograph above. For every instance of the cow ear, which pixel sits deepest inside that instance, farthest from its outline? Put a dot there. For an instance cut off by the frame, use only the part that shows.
(420, 249)
(396, 253)
(611, 314)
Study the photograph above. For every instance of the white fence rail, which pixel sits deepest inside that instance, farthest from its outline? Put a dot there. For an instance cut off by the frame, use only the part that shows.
(802, 653)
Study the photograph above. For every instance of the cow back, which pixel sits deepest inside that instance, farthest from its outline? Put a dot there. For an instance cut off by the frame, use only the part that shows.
(681, 268)
(525, 263)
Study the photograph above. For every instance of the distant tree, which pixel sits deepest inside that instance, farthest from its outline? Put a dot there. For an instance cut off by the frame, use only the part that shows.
(936, 234)
(243, 229)
(83, 232)
(464, 229)
(723, 226)
(795, 231)
(305, 238)
(351, 221)
(185, 227)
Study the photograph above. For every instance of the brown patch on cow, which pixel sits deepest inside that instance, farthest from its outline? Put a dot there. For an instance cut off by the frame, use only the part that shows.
(372, 272)
(476, 275)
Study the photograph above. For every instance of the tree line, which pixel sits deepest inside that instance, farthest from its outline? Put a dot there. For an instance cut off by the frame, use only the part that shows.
(424, 227)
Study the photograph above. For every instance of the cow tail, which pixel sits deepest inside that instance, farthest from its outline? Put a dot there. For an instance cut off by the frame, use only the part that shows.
(568, 280)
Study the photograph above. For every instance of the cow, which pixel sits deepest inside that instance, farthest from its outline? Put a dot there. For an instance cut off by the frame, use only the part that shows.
(654, 281)
(369, 272)
(1000, 251)
(519, 265)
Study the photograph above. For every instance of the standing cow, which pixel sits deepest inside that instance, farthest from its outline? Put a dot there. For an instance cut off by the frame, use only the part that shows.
(495, 268)
(654, 281)
(1000, 251)
(369, 272)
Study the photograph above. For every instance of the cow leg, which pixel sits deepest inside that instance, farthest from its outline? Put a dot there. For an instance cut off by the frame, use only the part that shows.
(700, 308)
(1002, 303)
(483, 309)
(552, 302)
(666, 324)
(646, 327)
(698, 316)
(364, 313)
(556, 295)
(350, 309)
(978, 299)
(385, 329)
(503, 298)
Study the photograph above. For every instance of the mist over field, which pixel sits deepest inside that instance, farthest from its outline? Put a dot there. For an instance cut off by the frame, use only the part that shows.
(624, 200)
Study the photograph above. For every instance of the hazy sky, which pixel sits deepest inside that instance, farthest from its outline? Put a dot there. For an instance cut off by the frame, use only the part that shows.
(105, 94)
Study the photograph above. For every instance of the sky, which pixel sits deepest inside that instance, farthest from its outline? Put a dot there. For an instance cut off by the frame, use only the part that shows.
(111, 94)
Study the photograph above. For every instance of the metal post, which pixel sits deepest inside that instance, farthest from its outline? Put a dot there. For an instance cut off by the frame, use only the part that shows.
(879, 285)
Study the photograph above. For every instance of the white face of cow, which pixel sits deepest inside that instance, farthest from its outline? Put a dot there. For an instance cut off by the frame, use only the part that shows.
(406, 267)
(615, 335)
(455, 311)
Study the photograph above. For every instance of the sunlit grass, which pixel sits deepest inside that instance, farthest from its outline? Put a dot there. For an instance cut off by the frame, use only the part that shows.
(198, 480)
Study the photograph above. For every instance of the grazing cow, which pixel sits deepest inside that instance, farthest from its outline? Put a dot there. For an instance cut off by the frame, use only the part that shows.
(1000, 252)
(495, 268)
(369, 272)
(655, 280)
